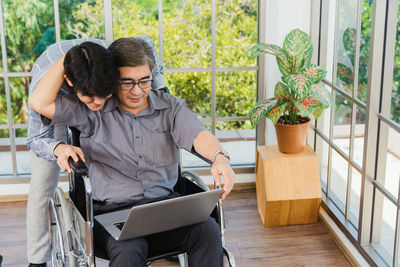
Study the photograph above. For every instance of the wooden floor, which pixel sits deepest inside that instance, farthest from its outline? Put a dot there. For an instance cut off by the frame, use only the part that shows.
(247, 239)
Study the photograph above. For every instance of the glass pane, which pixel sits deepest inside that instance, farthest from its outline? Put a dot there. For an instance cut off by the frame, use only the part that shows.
(236, 31)
(29, 29)
(5, 153)
(81, 18)
(131, 18)
(355, 190)
(346, 44)
(236, 94)
(322, 150)
(187, 34)
(324, 122)
(23, 156)
(195, 88)
(359, 132)
(240, 143)
(383, 231)
(191, 161)
(21, 133)
(390, 156)
(341, 128)
(364, 50)
(19, 98)
(3, 104)
(395, 105)
(338, 181)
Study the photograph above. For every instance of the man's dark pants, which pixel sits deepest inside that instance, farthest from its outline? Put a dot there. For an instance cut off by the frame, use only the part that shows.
(202, 242)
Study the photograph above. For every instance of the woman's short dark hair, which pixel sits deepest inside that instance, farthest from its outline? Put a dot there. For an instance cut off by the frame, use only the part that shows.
(92, 70)
(132, 52)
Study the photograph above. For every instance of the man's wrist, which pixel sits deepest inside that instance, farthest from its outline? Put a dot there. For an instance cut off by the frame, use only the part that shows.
(222, 152)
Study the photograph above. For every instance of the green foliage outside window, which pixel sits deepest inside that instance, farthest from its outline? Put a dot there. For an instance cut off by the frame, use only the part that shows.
(29, 30)
(187, 43)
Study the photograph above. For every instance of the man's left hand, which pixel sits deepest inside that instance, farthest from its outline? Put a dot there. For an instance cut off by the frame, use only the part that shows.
(222, 167)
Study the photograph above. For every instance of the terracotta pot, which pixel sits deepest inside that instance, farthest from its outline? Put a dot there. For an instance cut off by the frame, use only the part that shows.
(291, 138)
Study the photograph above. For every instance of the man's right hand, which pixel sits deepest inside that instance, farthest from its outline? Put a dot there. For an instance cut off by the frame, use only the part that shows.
(63, 152)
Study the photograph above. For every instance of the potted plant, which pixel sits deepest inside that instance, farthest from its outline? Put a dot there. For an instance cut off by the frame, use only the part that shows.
(298, 94)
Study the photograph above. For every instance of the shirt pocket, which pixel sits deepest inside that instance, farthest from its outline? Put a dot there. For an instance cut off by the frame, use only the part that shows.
(160, 149)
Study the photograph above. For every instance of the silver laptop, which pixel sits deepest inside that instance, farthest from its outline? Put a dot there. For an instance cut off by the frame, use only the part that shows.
(160, 216)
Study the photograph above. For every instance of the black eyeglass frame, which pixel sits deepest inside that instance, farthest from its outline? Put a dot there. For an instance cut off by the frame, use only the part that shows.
(140, 83)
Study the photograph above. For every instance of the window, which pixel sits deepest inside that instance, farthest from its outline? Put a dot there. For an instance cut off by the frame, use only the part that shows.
(201, 42)
(357, 140)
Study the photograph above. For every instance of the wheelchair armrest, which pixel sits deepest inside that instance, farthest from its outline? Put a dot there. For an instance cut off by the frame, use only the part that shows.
(79, 167)
(193, 151)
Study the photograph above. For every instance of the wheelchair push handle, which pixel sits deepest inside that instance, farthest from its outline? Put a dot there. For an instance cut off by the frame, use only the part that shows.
(78, 167)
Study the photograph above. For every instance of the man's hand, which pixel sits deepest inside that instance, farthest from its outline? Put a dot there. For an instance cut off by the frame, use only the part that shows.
(222, 167)
(63, 152)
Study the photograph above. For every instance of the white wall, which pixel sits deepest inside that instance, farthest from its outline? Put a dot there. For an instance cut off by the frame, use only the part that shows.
(282, 16)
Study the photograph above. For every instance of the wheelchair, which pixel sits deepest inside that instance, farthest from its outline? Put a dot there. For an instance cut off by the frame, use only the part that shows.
(71, 219)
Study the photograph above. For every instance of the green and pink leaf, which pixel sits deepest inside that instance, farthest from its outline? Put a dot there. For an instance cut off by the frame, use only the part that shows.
(293, 45)
(307, 106)
(319, 92)
(279, 53)
(299, 84)
(317, 113)
(267, 107)
(282, 91)
(315, 72)
(276, 112)
(308, 49)
(260, 109)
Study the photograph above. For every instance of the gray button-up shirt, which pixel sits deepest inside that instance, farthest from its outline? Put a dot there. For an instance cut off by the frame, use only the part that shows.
(41, 137)
(131, 157)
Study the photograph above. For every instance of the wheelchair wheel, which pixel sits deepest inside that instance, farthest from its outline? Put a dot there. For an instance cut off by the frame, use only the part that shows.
(228, 259)
(60, 225)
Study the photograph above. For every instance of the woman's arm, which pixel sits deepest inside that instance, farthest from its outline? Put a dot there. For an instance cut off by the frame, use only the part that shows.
(42, 100)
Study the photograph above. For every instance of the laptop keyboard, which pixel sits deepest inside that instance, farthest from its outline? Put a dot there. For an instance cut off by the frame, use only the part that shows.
(119, 225)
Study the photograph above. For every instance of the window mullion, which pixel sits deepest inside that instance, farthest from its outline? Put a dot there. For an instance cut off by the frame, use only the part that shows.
(8, 93)
(57, 20)
(261, 63)
(213, 66)
(332, 114)
(160, 32)
(108, 20)
(371, 133)
(385, 100)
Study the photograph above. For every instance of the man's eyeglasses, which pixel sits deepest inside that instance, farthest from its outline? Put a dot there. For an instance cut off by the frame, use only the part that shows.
(129, 85)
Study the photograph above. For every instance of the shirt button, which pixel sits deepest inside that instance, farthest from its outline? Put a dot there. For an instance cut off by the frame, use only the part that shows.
(140, 156)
